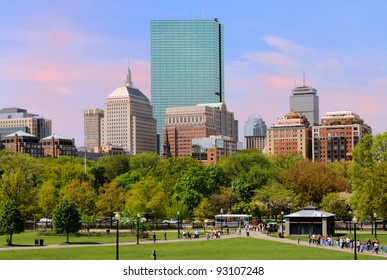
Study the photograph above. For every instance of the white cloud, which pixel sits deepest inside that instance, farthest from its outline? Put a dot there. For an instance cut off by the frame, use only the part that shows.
(283, 44)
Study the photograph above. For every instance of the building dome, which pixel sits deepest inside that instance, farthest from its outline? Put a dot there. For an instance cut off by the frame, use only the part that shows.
(255, 126)
(127, 91)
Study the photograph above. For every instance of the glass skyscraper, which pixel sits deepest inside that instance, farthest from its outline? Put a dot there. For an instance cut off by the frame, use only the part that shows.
(187, 66)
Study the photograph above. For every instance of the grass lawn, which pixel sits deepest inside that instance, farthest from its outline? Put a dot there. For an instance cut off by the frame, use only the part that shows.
(241, 248)
(28, 238)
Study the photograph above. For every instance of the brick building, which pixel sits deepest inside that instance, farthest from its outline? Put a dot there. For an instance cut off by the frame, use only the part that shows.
(337, 135)
(56, 146)
(22, 142)
(183, 124)
(291, 134)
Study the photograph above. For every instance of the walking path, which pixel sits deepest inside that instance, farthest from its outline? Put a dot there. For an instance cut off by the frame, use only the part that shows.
(259, 235)
(253, 234)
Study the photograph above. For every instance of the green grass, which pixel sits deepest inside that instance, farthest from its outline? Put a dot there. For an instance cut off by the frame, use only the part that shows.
(28, 238)
(242, 248)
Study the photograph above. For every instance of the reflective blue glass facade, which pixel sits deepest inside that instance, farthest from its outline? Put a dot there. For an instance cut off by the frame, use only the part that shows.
(187, 66)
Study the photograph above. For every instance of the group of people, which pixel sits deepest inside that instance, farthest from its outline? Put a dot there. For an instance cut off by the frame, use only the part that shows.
(346, 242)
(189, 235)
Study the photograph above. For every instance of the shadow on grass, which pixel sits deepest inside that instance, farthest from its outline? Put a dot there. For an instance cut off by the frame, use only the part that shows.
(21, 245)
(80, 243)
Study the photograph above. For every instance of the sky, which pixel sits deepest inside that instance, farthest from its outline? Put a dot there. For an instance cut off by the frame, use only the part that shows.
(58, 58)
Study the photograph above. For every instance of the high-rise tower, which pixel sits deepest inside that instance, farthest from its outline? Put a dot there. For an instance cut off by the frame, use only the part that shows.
(187, 66)
(92, 128)
(304, 101)
(128, 120)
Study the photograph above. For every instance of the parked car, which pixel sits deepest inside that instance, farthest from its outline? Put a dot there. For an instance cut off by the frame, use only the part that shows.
(170, 221)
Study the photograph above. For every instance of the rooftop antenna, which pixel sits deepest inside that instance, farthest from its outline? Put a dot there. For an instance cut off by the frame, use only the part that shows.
(129, 82)
(304, 78)
(202, 13)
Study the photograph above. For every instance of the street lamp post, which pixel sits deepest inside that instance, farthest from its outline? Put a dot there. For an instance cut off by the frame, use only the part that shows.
(138, 227)
(354, 220)
(178, 224)
(375, 225)
(282, 224)
(221, 220)
(117, 217)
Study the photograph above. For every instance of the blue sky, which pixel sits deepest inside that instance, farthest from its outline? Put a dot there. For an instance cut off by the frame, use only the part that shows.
(58, 58)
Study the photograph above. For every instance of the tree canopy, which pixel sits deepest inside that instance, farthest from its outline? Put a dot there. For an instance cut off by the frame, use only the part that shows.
(66, 218)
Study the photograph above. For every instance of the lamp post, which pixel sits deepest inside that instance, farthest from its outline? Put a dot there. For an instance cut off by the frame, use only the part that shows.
(354, 221)
(117, 218)
(375, 225)
(282, 224)
(138, 227)
(221, 220)
(178, 224)
(248, 216)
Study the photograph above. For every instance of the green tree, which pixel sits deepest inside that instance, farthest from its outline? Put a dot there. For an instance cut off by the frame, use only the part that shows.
(286, 161)
(275, 198)
(147, 196)
(243, 162)
(99, 173)
(225, 199)
(216, 178)
(47, 197)
(61, 173)
(11, 220)
(66, 218)
(203, 211)
(243, 190)
(338, 204)
(114, 165)
(369, 177)
(88, 221)
(18, 180)
(312, 180)
(145, 163)
(82, 193)
(111, 199)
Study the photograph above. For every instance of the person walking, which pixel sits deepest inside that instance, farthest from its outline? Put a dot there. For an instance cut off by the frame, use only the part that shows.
(165, 236)
(154, 237)
(153, 256)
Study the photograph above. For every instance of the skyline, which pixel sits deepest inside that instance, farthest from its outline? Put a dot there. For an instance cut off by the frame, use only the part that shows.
(59, 59)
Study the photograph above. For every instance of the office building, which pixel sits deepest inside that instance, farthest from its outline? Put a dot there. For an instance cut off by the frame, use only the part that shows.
(187, 66)
(15, 119)
(128, 120)
(290, 135)
(92, 129)
(337, 135)
(183, 124)
(304, 101)
(255, 133)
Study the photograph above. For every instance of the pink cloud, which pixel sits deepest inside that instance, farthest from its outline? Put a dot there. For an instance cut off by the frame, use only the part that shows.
(60, 36)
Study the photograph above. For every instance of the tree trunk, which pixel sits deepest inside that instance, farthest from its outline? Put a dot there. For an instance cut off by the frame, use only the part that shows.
(10, 239)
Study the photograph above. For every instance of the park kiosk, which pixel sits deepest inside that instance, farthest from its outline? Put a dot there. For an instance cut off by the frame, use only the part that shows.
(310, 220)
